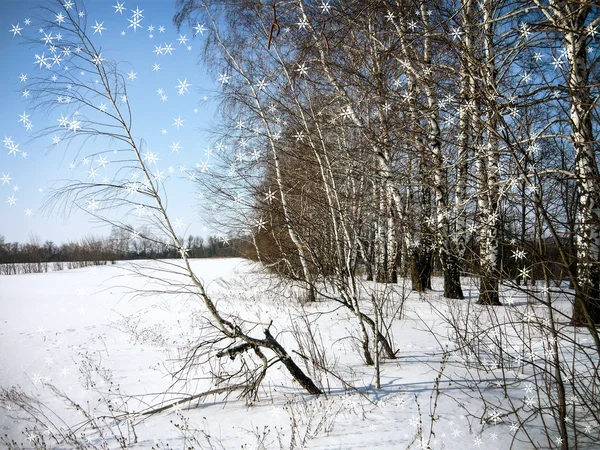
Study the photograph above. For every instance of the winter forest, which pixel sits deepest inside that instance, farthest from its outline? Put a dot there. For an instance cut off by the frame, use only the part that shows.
(411, 193)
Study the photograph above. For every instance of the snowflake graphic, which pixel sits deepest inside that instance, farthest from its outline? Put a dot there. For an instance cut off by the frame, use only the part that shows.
(98, 28)
(182, 87)
(119, 8)
(178, 122)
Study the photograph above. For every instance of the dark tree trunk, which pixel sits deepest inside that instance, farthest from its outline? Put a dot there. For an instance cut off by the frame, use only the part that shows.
(572, 271)
(310, 294)
(420, 269)
(369, 271)
(394, 275)
(367, 353)
(388, 275)
(452, 287)
(291, 366)
(385, 345)
(586, 311)
(488, 291)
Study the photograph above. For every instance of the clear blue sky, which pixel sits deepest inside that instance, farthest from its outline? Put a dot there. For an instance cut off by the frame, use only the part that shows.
(29, 168)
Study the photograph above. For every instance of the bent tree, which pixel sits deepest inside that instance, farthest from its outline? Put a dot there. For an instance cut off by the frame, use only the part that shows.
(111, 122)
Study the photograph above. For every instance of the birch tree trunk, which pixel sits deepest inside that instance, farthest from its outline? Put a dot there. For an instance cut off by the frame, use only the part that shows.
(571, 18)
(488, 171)
(466, 95)
(420, 252)
(448, 256)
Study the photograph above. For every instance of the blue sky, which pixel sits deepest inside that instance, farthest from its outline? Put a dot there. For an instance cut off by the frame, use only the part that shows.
(29, 172)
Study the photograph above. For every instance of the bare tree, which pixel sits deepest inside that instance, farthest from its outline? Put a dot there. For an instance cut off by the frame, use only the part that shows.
(573, 23)
(113, 121)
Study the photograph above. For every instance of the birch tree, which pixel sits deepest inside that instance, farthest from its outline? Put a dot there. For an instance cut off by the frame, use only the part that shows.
(113, 121)
(424, 72)
(316, 166)
(487, 158)
(574, 24)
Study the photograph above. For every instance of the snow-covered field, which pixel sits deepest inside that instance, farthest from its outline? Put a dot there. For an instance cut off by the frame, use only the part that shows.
(92, 335)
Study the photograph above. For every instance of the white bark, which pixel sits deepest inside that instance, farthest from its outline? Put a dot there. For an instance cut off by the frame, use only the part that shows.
(380, 154)
(466, 96)
(492, 154)
(571, 18)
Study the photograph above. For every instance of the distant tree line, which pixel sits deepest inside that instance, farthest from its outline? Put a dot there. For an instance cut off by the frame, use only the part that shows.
(36, 256)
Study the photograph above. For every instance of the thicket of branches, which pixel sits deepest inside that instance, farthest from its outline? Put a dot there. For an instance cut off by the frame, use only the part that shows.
(398, 139)
(409, 135)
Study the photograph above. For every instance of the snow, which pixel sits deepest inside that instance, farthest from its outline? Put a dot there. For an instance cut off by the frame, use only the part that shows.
(88, 331)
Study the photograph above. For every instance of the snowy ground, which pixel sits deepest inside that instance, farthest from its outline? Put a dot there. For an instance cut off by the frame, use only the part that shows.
(84, 332)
